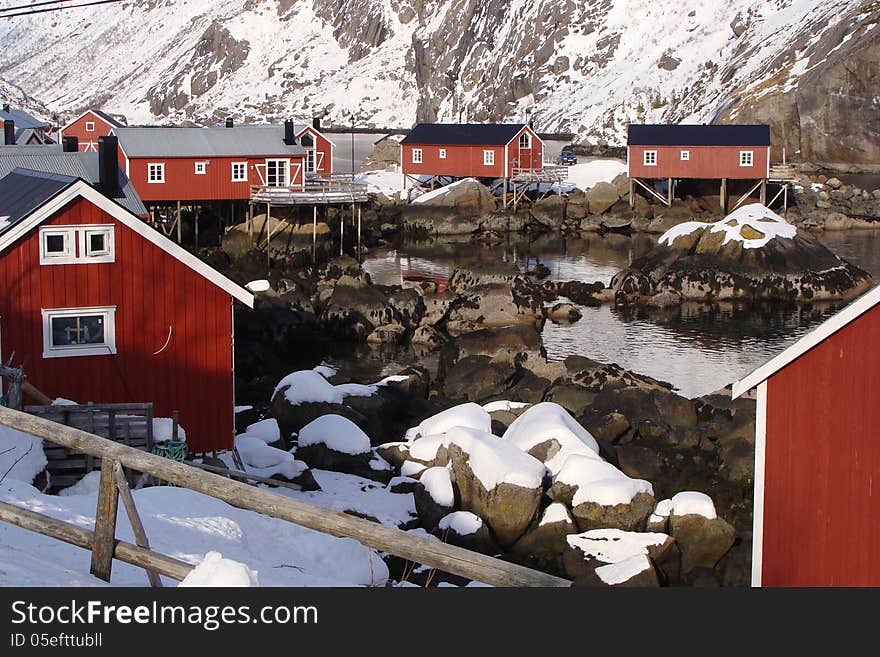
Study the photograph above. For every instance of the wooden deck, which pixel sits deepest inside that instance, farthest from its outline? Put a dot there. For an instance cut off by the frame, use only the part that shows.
(335, 190)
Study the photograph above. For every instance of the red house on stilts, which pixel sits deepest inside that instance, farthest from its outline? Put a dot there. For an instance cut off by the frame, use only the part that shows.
(817, 455)
(89, 127)
(98, 306)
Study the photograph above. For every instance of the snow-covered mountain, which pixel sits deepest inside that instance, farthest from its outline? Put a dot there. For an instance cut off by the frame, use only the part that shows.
(586, 66)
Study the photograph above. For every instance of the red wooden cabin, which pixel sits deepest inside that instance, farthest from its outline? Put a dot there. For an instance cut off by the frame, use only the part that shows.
(89, 127)
(98, 306)
(470, 150)
(698, 151)
(817, 455)
(220, 164)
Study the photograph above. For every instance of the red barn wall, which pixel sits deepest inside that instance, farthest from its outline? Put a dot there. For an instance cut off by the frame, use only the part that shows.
(88, 141)
(821, 500)
(705, 162)
(152, 291)
(324, 148)
(183, 184)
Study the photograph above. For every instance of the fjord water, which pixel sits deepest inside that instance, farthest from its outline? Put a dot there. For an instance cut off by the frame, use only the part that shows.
(697, 349)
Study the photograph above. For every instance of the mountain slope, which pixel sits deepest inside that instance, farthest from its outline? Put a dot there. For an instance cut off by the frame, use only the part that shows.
(583, 66)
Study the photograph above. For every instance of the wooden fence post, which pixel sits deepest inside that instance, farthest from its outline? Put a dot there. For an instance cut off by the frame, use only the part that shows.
(105, 522)
(140, 534)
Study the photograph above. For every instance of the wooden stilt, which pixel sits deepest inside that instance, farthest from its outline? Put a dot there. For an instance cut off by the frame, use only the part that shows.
(268, 235)
(632, 198)
(341, 231)
(763, 191)
(669, 192)
(504, 192)
(359, 233)
(250, 221)
(724, 196)
(314, 233)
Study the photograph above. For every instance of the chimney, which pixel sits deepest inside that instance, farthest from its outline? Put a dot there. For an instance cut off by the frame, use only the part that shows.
(108, 165)
(9, 132)
(289, 138)
(70, 144)
(229, 123)
(5, 107)
(316, 123)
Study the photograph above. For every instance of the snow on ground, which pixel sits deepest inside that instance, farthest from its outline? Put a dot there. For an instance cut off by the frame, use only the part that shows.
(600, 482)
(263, 460)
(587, 174)
(337, 433)
(614, 545)
(163, 430)
(88, 485)
(442, 191)
(503, 405)
(21, 455)
(214, 570)
(618, 573)
(461, 522)
(438, 484)
(391, 184)
(754, 225)
(549, 421)
(464, 415)
(187, 525)
(684, 503)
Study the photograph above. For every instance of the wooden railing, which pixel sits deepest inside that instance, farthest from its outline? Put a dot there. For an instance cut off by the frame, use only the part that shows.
(335, 189)
(105, 547)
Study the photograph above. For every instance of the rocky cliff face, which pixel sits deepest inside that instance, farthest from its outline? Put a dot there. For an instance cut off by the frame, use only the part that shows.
(587, 67)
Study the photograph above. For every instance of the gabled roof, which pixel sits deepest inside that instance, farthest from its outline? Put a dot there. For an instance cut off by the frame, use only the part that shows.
(22, 119)
(698, 135)
(51, 159)
(22, 191)
(825, 330)
(463, 134)
(102, 115)
(80, 188)
(242, 140)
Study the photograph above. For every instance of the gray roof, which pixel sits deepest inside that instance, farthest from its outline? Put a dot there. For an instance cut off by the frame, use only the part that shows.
(50, 159)
(22, 191)
(109, 119)
(241, 140)
(23, 119)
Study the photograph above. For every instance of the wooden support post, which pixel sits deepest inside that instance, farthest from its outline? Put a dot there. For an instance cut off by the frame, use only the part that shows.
(250, 221)
(140, 534)
(175, 424)
(724, 196)
(785, 201)
(341, 231)
(179, 222)
(105, 522)
(763, 196)
(268, 235)
(504, 192)
(314, 233)
(669, 192)
(359, 233)
(632, 198)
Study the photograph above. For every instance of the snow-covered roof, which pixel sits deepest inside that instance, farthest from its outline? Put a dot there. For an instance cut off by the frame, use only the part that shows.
(80, 188)
(241, 140)
(818, 335)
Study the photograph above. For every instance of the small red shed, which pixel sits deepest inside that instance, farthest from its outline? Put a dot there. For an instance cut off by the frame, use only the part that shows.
(89, 127)
(221, 164)
(470, 150)
(98, 306)
(698, 151)
(817, 454)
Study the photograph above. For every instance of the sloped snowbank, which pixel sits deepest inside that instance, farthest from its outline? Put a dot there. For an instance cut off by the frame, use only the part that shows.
(587, 174)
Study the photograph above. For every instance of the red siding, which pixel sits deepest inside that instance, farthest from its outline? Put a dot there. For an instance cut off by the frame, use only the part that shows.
(152, 291)
(183, 184)
(88, 141)
(323, 150)
(467, 161)
(705, 162)
(823, 453)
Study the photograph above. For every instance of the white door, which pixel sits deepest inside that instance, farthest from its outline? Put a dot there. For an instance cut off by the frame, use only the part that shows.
(277, 173)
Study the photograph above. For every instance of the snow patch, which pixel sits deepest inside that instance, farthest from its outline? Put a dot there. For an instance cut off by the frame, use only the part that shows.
(618, 573)
(503, 405)
(556, 512)
(752, 217)
(261, 285)
(692, 502)
(494, 461)
(163, 430)
(309, 386)
(438, 484)
(469, 415)
(615, 545)
(443, 191)
(461, 522)
(266, 430)
(337, 433)
(214, 570)
(549, 421)
(599, 482)
(587, 174)
(21, 455)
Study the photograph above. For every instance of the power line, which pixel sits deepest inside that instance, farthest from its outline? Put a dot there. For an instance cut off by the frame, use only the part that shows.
(61, 8)
(36, 4)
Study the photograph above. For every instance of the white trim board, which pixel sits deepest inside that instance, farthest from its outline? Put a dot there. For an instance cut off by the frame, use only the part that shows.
(758, 504)
(82, 189)
(825, 330)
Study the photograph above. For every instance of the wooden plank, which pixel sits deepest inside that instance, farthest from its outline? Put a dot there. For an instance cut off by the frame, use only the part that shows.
(140, 534)
(75, 535)
(105, 521)
(422, 550)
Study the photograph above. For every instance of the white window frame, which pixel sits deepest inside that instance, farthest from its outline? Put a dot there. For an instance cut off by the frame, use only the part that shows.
(747, 158)
(86, 254)
(281, 165)
(442, 154)
(649, 158)
(244, 176)
(160, 168)
(488, 158)
(201, 168)
(417, 156)
(62, 257)
(67, 351)
(685, 156)
(90, 126)
(528, 141)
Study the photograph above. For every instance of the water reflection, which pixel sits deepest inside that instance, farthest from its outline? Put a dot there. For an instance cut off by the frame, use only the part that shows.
(696, 348)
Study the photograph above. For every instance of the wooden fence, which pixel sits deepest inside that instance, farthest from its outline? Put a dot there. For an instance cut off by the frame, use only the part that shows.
(105, 547)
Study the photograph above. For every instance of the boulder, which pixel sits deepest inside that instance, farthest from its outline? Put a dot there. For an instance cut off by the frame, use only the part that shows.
(601, 196)
(395, 453)
(703, 541)
(549, 211)
(468, 531)
(483, 272)
(436, 306)
(573, 398)
(590, 551)
(476, 378)
(434, 496)
(546, 540)
(333, 442)
(562, 313)
(428, 336)
(392, 333)
(402, 485)
(491, 305)
(408, 307)
(468, 198)
(352, 312)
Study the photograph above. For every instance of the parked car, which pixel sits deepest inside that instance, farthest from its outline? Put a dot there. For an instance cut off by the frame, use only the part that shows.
(567, 158)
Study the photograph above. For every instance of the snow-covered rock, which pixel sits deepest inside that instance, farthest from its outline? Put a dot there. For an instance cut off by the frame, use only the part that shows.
(753, 225)
(215, 571)
(468, 531)
(464, 415)
(163, 430)
(587, 552)
(546, 540)
(434, 496)
(266, 430)
(335, 433)
(266, 461)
